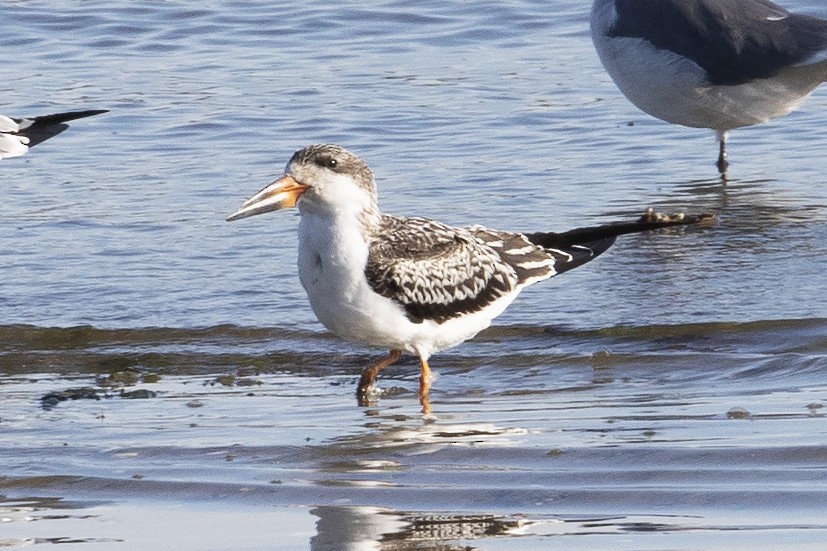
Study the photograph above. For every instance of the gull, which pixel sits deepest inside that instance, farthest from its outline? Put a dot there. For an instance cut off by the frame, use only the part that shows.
(18, 135)
(411, 284)
(717, 64)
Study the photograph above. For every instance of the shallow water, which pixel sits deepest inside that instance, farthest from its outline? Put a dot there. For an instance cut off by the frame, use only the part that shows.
(668, 396)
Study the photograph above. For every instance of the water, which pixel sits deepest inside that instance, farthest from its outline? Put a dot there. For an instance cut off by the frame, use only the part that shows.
(668, 396)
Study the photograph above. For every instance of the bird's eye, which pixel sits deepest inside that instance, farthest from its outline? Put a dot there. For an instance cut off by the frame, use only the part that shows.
(331, 163)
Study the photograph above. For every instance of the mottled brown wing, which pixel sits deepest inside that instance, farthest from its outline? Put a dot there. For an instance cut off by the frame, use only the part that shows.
(435, 271)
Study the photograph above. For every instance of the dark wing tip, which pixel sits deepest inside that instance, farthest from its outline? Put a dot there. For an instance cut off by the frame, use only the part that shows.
(661, 220)
(650, 220)
(579, 246)
(58, 118)
(40, 129)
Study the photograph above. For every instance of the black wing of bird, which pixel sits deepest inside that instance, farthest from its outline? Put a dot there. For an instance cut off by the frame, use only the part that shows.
(39, 129)
(585, 244)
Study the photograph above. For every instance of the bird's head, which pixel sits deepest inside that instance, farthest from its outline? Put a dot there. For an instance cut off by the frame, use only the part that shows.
(319, 177)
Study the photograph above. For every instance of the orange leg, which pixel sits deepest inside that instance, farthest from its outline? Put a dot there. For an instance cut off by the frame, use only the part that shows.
(425, 385)
(368, 378)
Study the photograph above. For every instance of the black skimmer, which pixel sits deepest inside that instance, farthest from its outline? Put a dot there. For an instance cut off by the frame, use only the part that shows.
(718, 64)
(412, 284)
(18, 135)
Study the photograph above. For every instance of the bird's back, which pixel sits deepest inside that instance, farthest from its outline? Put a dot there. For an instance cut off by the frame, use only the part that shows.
(733, 41)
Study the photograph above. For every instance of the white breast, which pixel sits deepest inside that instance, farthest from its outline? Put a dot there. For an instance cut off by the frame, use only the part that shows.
(332, 258)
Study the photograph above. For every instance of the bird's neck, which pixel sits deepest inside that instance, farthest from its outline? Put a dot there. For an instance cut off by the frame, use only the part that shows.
(364, 216)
